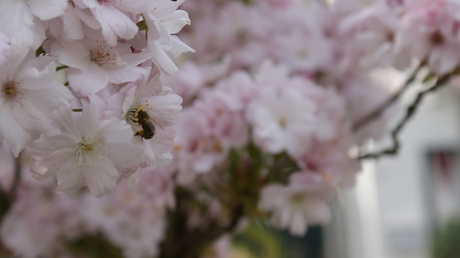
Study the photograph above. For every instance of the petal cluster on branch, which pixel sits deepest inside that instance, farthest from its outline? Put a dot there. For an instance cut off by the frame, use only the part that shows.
(270, 105)
(96, 125)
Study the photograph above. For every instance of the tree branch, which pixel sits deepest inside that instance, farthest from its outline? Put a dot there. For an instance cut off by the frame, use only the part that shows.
(360, 123)
(17, 178)
(7, 197)
(409, 113)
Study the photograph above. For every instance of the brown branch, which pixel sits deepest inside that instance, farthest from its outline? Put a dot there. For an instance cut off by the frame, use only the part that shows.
(16, 179)
(409, 113)
(360, 123)
(7, 197)
(185, 242)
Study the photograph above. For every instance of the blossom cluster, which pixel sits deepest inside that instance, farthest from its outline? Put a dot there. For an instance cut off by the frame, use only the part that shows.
(42, 223)
(294, 78)
(95, 127)
(271, 100)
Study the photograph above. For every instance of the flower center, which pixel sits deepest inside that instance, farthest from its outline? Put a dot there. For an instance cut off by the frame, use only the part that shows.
(437, 39)
(282, 122)
(298, 198)
(390, 37)
(302, 53)
(86, 150)
(102, 55)
(9, 90)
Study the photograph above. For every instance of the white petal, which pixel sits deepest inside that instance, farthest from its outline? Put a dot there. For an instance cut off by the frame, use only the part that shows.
(55, 162)
(128, 74)
(114, 23)
(47, 9)
(180, 20)
(69, 177)
(135, 6)
(101, 177)
(123, 155)
(298, 225)
(16, 55)
(161, 58)
(318, 212)
(71, 24)
(73, 54)
(12, 132)
(88, 82)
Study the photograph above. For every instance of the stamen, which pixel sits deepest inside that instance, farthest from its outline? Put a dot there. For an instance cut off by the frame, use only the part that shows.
(9, 89)
(86, 151)
(298, 198)
(102, 54)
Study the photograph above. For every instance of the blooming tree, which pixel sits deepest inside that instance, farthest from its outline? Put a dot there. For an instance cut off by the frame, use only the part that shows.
(270, 105)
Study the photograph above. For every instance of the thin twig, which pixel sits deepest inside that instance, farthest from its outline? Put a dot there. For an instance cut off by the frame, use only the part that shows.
(7, 197)
(409, 113)
(379, 110)
(17, 178)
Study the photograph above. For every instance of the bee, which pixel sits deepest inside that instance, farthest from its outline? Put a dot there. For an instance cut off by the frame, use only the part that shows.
(146, 122)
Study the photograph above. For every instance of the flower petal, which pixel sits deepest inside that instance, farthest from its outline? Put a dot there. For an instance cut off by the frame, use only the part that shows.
(101, 177)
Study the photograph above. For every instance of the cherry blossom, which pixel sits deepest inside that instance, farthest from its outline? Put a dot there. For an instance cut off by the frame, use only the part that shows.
(298, 204)
(89, 151)
(29, 94)
(163, 21)
(110, 18)
(93, 64)
(259, 121)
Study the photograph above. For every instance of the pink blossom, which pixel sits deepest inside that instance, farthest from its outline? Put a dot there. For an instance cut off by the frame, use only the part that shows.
(142, 215)
(111, 19)
(301, 203)
(434, 28)
(162, 106)
(47, 9)
(164, 21)
(282, 121)
(89, 151)
(93, 64)
(67, 26)
(30, 229)
(23, 28)
(29, 93)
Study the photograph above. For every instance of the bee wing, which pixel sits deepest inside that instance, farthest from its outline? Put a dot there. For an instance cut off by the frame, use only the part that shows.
(155, 122)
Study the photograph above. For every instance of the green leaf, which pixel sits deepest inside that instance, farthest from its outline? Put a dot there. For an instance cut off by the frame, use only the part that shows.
(429, 77)
(142, 26)
(39, 51)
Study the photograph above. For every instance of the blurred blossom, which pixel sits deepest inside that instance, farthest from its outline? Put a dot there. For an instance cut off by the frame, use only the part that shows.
(271, 99)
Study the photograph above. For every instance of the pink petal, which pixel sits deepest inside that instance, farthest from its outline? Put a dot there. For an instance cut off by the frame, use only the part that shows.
(101, 177)
(88, 82)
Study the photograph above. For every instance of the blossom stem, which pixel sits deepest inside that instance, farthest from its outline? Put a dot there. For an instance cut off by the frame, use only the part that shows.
(40, 51)
(61, 67)
(17, 178)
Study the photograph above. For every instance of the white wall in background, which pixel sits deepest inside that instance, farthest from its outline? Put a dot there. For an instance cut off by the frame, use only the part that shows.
(388, 214)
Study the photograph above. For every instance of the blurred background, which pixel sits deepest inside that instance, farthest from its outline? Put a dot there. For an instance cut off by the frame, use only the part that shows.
(403, 206)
